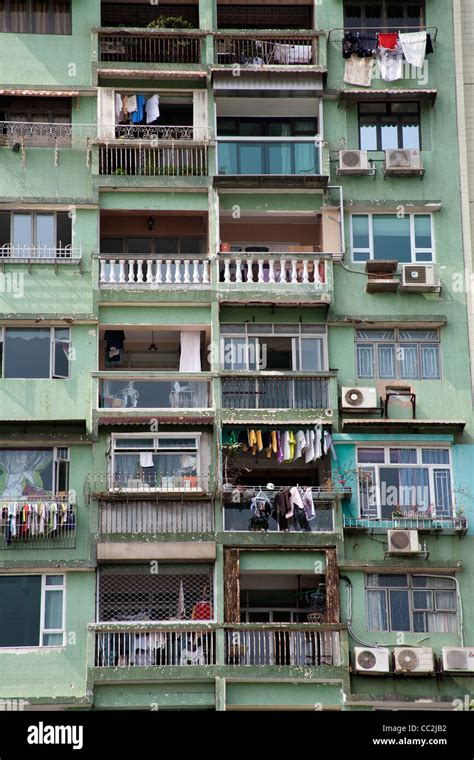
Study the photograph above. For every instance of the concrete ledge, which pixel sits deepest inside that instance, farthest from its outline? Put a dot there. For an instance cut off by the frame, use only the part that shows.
(150, 550)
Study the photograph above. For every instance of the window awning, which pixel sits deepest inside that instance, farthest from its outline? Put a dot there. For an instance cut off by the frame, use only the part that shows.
(145, 420)
(411, 426)
(274, 80)
(149, 74)
(388, 95)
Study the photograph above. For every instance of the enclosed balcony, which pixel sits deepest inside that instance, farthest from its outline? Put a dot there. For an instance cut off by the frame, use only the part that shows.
(264, 49)
(146, 519)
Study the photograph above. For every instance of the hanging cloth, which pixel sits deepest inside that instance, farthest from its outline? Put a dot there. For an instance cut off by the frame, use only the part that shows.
(132, 103)
(390, 63)
(413, 45)
(190, 358)
(300, 444)
(138, 115)
(308, 504)
(429, 44)
(286, 446)
(318, 448)
(146, 459)
(388, 41)
(243, 439)
(328, 444)
(358, 71)
(280, 452)
(152, 109)
(118, 108)
(309, 450)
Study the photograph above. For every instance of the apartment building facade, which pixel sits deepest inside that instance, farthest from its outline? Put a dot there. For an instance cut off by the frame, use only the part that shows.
(235, 419)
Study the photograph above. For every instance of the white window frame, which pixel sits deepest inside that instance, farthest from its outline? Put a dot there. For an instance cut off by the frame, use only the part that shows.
(52, 347)
(399, 344)
(414, 251)
(411, 606)
(375, 467)
(296, 350)
(155, 449)
(42, 630)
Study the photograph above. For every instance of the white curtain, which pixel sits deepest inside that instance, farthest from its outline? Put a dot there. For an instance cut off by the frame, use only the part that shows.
(190, 360)
(19, 465)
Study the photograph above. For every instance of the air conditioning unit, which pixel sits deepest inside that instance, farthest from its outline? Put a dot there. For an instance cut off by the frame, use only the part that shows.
(358, 398)
(373, 661)
(419, 278)
(403, 542)
(413, 660)
(403, 161)
(458, 659)
(353, 162)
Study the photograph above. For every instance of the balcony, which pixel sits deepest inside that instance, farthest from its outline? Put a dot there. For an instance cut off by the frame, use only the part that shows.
(179, 392)
(100, 486)
(445, 525)
(282, 645)
(148, 518)
(275, 275)
(148, 645)
(38, 523)
(160, 46)
(270, 161)
(166, 159)
(269, 392)
(261, 49)
(135, 271)
(37, 134)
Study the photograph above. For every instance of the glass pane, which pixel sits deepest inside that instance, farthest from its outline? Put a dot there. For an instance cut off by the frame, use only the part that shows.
(410, 134)
(62, 333)
(403, 456)
(423, 600)
(435, 456)
(443, 494)
(365, 361)
(53, 639)
(45, 233)
(312, 354)
(422, 231)
(53, 610)
(383, 580)
(276, 353)
(252, 129)
(134, 443)
(20, 605)
(61, 359)
(227, 157)
(395, 15)
(392, 237)
(22, 229)
(423, 581)
(389, 128)
(386, 358)
(445, 600)
(352, 15)
(139, 245)
(408, 362)
(430, 369)
(360, 231)
(373, 456)
(404, 487)
(419, 622)
(177, 443)
(251, 159)
(377, 619)
(368, 132)
(399, 611)
(54, 580)
(373, 16)
(27, 352)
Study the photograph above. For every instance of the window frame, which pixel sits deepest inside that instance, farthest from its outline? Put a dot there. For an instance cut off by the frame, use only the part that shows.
(53, 341)
(415, 252)
(155, 449)
(412, 610)
(397, 115)
(375, 468)
(42, 630)
(383, 23)
(296, 345)
(30, 15)
(399, 344)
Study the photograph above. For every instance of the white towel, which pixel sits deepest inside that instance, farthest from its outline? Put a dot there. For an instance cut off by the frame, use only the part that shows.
(146, 459)
(132, 104)
(359, 71)
(152, 109)
(390, 63)
(414, 47)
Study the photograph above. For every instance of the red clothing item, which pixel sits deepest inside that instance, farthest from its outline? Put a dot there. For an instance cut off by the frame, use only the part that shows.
(202, 611)
(388, 40)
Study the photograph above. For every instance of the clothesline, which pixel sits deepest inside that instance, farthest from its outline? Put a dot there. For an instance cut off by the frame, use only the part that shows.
(388, 49)
(24, 518)
(288, 445)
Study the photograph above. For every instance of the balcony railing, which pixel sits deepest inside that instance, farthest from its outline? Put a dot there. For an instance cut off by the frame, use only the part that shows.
(172, 160)
(179, 393)
(150, 46)
(239, 517)
(150, 646)
(38, 523)
(287, 156)
(155, 132)
(150, 518)
(40, 253)
(36, 134)
(151, 271)
(266, 48)
(282, 645)
(286, 269)
(100, 485)
(448, 524)
(265, 392)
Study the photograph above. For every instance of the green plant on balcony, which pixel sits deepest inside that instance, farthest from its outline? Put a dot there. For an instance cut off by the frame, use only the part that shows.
(119, 172)
(175, 49)
(170, 22)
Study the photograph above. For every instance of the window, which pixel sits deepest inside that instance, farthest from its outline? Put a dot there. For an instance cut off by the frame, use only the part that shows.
(156, 461)
(35, 16)
(295, 348)
(416, 481)
(32, 610)
(33, 472)
(384, 126)
(35, 352)
(396, 354)
(148, 246)
(405, 239)
(23, 234)
(412, 603)
(384, 15)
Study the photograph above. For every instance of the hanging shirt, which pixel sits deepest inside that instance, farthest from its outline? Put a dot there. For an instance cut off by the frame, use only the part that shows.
(118, 107)
(300, 444)
(258, 436)
(132, 103)
(295, 501)
(274, 442)
(309, 450)
(390, 63)
(328, 444)
(318, 437)
(146, 459)
(139, 113)
(286, 446)
(359, 71)
(308, 504)
(292, 445)
(253, 441)
(152, 109)
(280, 452)
(413, 45)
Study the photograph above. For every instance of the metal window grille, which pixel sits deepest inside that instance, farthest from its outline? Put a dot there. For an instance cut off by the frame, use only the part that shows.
(148, 596)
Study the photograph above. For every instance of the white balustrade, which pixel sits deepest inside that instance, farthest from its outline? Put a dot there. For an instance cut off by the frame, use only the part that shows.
(283, 270)
(143, 272)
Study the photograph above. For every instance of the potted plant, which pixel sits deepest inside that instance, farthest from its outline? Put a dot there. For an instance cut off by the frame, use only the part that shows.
(460, 519)
(175, 49)
(225, 247)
